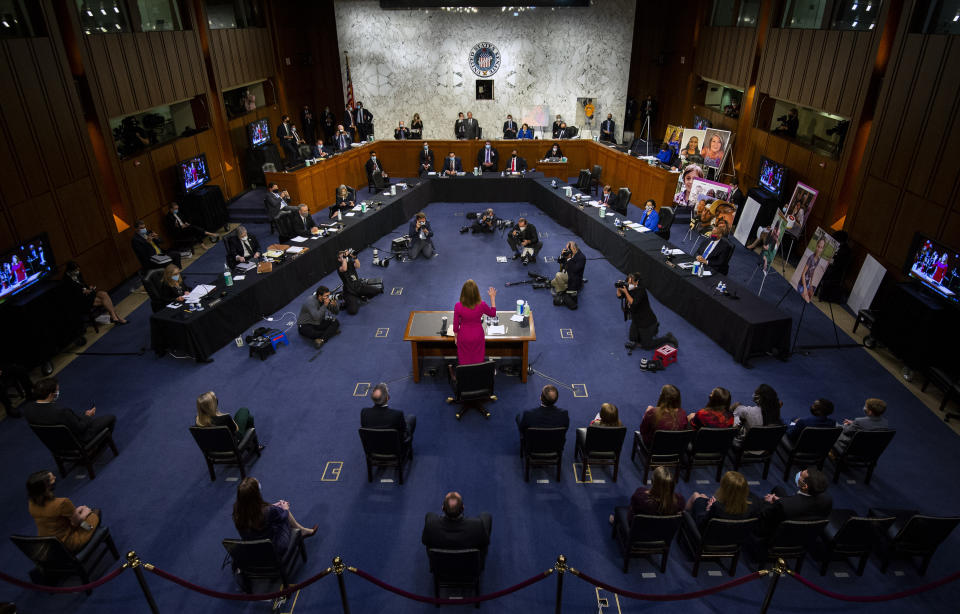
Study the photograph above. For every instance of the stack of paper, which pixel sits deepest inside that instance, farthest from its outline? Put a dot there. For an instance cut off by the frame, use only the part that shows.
(298, 239)
(497, 330)
(296, 250)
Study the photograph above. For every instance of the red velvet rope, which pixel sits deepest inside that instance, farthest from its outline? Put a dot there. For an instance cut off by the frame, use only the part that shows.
(435, 601)
(62, 589)
(875, 598)
(236, 596)
(679, 597)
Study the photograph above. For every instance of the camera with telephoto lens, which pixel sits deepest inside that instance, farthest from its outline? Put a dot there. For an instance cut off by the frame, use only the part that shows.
(620, 284)
(565, 255)
(378, 261)
(501, 224)
(348, 254)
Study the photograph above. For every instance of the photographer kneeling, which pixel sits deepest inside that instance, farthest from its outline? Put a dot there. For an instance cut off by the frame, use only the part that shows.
(355, 289)
(318, 317)
(524, 241)
(485, 222)
(643, 324)
(570, 276)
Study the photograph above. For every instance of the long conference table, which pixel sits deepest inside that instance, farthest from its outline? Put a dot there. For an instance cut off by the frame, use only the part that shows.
(745, 327)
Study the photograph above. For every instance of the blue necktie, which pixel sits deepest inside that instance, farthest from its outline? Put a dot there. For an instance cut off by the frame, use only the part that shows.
(488, 156)
(709, 249)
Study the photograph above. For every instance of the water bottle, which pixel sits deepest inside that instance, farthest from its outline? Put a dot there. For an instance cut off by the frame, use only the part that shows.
(227, 277)
(603, 211)
(526, 309)
(519, 307)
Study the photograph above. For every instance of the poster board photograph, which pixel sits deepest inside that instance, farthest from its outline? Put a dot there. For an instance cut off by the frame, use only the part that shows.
(714, 147)
(692, 141)
(710, 205)
(813, 264)
(688, 173)
(770, 240)
(672, 136)
(797, 211)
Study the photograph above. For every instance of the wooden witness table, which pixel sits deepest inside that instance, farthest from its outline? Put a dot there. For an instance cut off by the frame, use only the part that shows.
(423, 333)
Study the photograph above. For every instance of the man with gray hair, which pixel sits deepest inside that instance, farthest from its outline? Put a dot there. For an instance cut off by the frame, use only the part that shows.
(242, 247)
(381, 416)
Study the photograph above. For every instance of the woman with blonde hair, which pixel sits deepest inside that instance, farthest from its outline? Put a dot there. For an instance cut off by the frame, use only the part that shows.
(345, 201)
(209, 414)
(666, 415)
(468, 322)
(172, 288)
(732, 501)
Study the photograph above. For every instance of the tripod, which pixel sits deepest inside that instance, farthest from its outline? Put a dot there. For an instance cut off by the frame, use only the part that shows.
(646, 129)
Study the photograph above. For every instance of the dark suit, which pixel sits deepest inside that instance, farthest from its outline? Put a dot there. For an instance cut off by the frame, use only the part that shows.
(373, 166)
(794, 507)
(144, 249)
(608, 199)
(274, 204)
(574, 268)
(426, 161)
(608, 125)
(401, 134)
(529, 233)
(471, 128)
(363, 121)
(344, 203)
(719, 257)
(551, 154)
(301, 226)
(289, 142)
(482, 157)
(520, 166)
(543, 418)
(456, 165)
(82, 426)
(383, 417)
(510, 129)
(320, 151)
(556, 129)
(342, 141)
(181, 232)
(235, 248)
(564, 133)
(460, 129)
(457, 533)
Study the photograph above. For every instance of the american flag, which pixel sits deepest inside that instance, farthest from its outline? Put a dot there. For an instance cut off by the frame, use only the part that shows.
(350, 99)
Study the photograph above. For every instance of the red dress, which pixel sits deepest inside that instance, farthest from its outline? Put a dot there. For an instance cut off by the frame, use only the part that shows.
(469, 332)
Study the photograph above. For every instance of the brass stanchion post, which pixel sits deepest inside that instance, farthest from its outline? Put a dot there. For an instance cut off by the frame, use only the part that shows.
(134, 562)
(779, 568)
(561, 569)
(338, 568)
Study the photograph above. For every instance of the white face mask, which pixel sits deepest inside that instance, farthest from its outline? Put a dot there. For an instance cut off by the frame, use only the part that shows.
(631, 286)
(56, 395)
(426, 148)
(373, 157)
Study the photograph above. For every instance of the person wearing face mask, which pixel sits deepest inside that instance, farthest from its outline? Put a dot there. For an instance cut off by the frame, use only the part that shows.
(242, 247)
(460, 127)
(87, 297)
(426, 160)
(373, 166)
(487, 158)
(570, 276)
(172, 288)
(57, 516)
(275, 200)
(183, 231)
(564, 132)
(716, 253)
(45, 411)
(452, 165)
(346, 199)
(329, 124)
(320, 151)
(509, 128)
(650, 218)
(416, 127)
(643, 322)
(471, 127)
(342, 139)
(609, 199)
(554, 152)
(556, 127)
(608, 129)
(525, 132)
(290, 140)
(515, 164)
(363, 120)
(146, 245)
(421, 236)
(810, 502)
(524, 241)
(401, 132)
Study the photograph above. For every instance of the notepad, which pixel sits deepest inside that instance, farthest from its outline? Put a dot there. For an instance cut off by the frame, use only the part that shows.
(298, 239)
(497, 330)
(295, 250)
(239, 277)
(516, 318)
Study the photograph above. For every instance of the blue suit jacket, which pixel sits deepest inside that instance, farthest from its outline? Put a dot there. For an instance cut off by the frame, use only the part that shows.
(525, 134)
(650, 220)
(457, 165)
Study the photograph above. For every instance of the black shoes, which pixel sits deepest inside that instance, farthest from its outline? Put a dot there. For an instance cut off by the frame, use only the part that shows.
(673, 340)
(464, 229)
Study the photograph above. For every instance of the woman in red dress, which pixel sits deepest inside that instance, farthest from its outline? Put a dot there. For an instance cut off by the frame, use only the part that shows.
(467, 326)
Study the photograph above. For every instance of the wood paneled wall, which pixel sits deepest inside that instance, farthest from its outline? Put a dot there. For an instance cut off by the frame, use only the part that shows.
(240, 56)
(726, 55)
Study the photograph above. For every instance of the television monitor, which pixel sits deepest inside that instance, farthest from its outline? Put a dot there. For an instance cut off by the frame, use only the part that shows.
(259, 132)
(193, 173)
(701, 123)
(773, 176)
(936, 266)
(25, 265)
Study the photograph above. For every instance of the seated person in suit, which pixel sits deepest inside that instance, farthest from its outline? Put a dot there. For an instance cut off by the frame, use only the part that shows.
(716, 414)
(515, 164)
(87, 297)
(401, 132)
(355, 290)
(487, 158)
(57, 516)
(666, 415)
(254, 518)
(608, 129)
(485, 222)
(820, 411)
(509, 128)
(345, 201)
(185, 232)
(380, 416)
(556, 126)
(275, 201)
(303, 224)
(318, 317)
(563, 132)
(209, 414)
(650, 218)
(731, 501)
(665, 155)
(242, 247)
(554, 152)
(570, 276)
(421, 237)
(320, 150)
(145, 244)
(342, 139)
(811, 501)
(661, 499)
(373, 166)
(523, 241)
(525, 132)
(607, 417)
(426, 159)
(872, 420)
(452, 165)
(607, 198)
(172, 288)
(716, 253)
(46, 411)
(454, 531)
(547, 416)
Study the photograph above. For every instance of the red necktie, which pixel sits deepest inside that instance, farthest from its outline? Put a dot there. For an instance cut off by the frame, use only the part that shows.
(513, 165)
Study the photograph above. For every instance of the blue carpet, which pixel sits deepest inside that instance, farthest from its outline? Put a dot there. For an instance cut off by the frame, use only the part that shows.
(157, 497)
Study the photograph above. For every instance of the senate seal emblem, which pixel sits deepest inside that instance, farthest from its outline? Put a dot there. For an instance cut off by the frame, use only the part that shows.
(484, 59)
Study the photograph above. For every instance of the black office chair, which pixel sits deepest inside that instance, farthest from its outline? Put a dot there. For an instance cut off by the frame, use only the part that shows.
(709, 448)
(285, 230)
(151, 284)
(848, 535)
(542, 447)
(601, 446)
(665, 450)
(757, 446)
(457, 569)
(375, 181)
(305, 151)
(812, 447)
(666, 221)
(226, 251)
(385, 448)
(258, 560)
(473, 385)
(948, 383)
(792, 540)
(644, 535)
(54, 562)
(220, 447)
(65, 446)
(623, 201)
(595, 175)
(721, 539)
(864, 450)
(913, 535)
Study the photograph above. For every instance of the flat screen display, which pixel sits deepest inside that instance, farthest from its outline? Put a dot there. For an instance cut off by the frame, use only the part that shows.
(25, 265)
(935, 266)
(259, 132)
(772, 176)
(193, 173)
